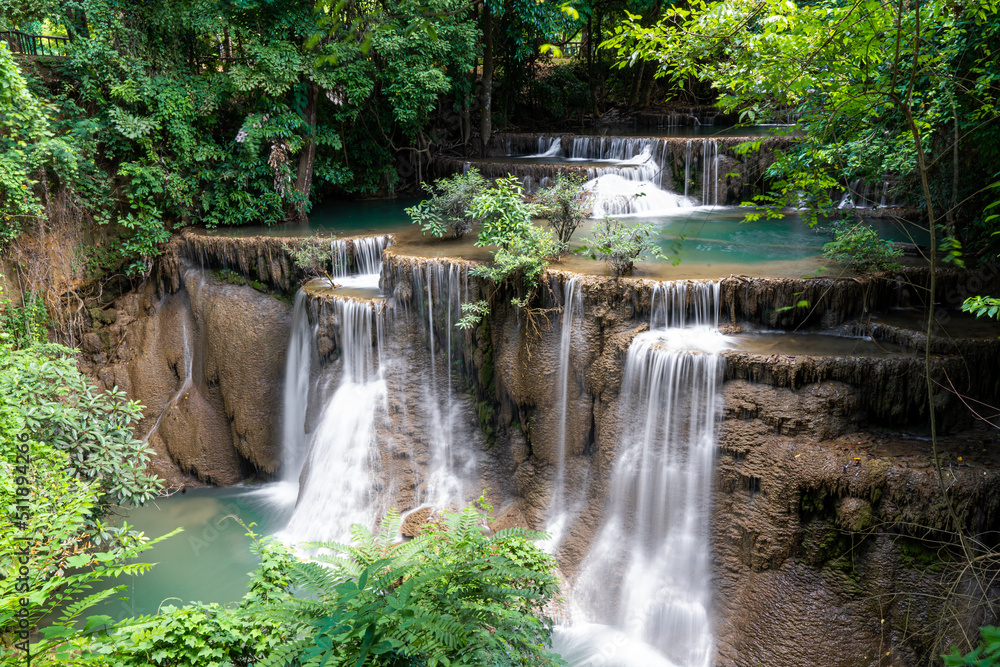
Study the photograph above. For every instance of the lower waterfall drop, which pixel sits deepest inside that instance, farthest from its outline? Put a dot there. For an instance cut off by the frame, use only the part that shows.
(558, 512)
(452, 462)
(643, 594)
(298, 365)
(339, 485)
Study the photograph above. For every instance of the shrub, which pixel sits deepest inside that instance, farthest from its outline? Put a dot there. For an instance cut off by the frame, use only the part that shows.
(451, 596)
(68, 459)
(311, 256)
(987, 653)
(449, 205)
(859, 247)
(622, 246)
(565, 205)
(523, 248)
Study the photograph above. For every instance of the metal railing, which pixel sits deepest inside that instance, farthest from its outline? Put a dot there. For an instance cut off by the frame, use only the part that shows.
(572, 49)
(26, 44)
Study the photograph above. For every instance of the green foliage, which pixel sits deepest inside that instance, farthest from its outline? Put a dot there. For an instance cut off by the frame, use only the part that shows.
(503, 213)
(982, 305)
(311, 256)
(876, 90)
(987, 654)
(67, 459)
(449, 205)
(472, 314)
(859, 247)
(25, 324)
(565, 204)
(621, 245)
(163, 114)
(522, 248)
(451, 596)
(208, 635)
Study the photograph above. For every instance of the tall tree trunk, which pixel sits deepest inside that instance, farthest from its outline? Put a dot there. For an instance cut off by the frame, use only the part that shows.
(76, 24)
(648, 20)
(307, 158)
(486, 94)
(633, 95)
(597, 78)
(647, 85)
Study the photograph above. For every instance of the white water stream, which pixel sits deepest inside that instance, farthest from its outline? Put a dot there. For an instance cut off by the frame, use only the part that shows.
(643, 594)
(443, 288)
(339, 485)
(559, 510)
(630, 176)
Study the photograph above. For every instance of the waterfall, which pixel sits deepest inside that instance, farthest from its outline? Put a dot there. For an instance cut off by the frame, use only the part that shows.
(687, 166)
(558, 511)
(547, 147)
(643, 593)
(298, 365)
(340, 481)
(445, 287)
(357, 262)
(710, 172)
(616, 195)
(631, 182)
(864, 195)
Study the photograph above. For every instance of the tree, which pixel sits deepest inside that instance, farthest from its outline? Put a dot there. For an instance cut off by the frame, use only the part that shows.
(565, 204)
(622, 246)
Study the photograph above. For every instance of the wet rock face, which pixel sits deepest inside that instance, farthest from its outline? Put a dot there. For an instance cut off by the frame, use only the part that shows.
(816, 524)
(207, 362)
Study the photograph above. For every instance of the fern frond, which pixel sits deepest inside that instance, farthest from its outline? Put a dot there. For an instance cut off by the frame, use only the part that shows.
(286, 654)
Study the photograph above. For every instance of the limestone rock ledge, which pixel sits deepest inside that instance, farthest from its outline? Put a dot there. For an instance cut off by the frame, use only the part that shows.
(207, 361)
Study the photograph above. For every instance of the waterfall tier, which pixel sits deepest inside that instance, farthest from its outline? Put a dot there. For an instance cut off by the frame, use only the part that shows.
(340, 480)
(691, 171)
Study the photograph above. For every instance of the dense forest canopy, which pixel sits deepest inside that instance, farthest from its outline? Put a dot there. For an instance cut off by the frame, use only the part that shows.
(166, 114)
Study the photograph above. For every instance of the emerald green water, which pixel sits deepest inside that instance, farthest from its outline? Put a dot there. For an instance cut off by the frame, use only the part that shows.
(208, 562)
(339, 217)
(713, 241)
(721, 235)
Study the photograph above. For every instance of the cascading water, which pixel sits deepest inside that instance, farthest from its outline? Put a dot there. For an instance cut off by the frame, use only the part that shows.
(295, 401)
(548, 147)
(632, 185)
(341, 477)
(864, 195)
(710, 172)
(357, 262)
(443, 288)
(643, 594)
(558, 513)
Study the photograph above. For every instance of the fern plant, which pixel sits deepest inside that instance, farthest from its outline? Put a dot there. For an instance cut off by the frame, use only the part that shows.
(452, 596)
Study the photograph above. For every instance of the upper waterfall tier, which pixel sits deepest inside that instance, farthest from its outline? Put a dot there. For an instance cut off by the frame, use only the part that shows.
(705, 170)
